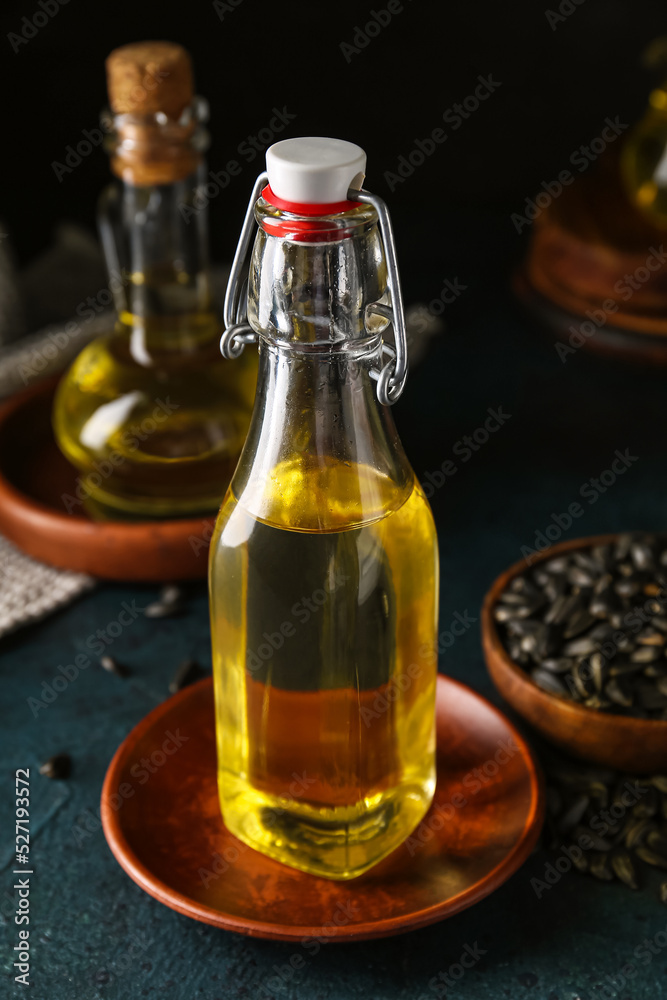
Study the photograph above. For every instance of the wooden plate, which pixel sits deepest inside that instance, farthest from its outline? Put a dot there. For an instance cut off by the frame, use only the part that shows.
(595, 274)
(34, 476)
(618, 741)
(166, 830)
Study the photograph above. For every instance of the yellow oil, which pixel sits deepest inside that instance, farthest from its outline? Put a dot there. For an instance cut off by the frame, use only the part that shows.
(154, 418)
(323, 588)
(644, 160)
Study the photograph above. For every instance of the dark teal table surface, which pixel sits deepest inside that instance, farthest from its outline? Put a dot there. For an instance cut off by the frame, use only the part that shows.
(96, 935)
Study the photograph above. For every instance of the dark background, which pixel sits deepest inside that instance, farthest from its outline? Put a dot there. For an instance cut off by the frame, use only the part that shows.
(557, 88)
(452, 220)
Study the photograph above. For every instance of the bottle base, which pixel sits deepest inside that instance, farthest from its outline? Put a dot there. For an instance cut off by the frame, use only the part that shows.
(337, 843)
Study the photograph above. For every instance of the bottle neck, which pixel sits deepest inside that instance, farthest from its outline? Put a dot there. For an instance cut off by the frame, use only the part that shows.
(321, 453)
(156, 248)
(154, 230)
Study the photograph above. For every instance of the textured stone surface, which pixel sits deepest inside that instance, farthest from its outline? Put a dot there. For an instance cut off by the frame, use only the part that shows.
(96, 936)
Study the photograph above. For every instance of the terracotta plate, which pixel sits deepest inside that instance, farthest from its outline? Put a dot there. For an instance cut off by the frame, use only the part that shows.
(35, 478)
(166, 831)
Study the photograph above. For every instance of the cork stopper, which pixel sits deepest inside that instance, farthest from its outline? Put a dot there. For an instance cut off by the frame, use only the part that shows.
(143, 79)
(147, 77)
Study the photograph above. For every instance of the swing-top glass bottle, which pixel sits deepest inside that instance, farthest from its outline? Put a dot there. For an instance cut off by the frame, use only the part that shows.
(323, 564)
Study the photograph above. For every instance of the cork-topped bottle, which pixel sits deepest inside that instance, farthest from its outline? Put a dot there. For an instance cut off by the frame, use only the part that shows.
(151, 414)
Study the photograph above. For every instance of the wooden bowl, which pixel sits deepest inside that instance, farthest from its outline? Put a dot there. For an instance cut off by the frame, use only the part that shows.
(617, 741)
(34, 475)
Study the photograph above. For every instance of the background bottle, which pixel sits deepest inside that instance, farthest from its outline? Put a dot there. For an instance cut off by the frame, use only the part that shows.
(323, 565)
(151, 414)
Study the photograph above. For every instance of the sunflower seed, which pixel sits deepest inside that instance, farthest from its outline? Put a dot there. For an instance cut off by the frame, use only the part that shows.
(623, 868)
(111, 665)
(635, 830)
(560, 665)
(657, 841)
(547, 681)
(578, 623)
(651, 857)
(642, 555)
(188, 671)
(580, 647)
(618, 692)
(169, 604)
(573, 814)
(651, 637)
(599, 867)
(646, 654)
(58, 767)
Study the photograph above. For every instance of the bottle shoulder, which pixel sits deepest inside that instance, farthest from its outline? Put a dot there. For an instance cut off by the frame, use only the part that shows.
(332, 496)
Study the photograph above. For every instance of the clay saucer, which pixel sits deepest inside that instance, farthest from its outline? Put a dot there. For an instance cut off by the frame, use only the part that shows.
(34, 477)
(166, 830)
(618, 741)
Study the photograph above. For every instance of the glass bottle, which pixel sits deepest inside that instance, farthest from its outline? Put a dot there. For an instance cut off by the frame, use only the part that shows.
(323, 563)
(644, 153)
(151, 414)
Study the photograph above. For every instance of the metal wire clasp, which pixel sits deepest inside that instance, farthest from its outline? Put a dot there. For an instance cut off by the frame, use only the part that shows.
(238, 332)
(392, 376)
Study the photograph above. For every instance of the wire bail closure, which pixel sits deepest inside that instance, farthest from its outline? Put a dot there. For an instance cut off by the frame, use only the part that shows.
(237, 333)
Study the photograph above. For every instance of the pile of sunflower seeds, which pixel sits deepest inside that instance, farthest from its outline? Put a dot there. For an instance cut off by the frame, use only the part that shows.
(610, 825)
(591, 625)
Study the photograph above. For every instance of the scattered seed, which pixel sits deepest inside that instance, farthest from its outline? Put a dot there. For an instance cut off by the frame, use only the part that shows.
(169, 604)
(600, 868)
(58, 767)
(188, 671)
(623, 868)
(651, 857)
(111, 665)
(573, 814)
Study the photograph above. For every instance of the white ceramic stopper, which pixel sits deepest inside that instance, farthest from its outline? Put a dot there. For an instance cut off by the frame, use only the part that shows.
(315, 169)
